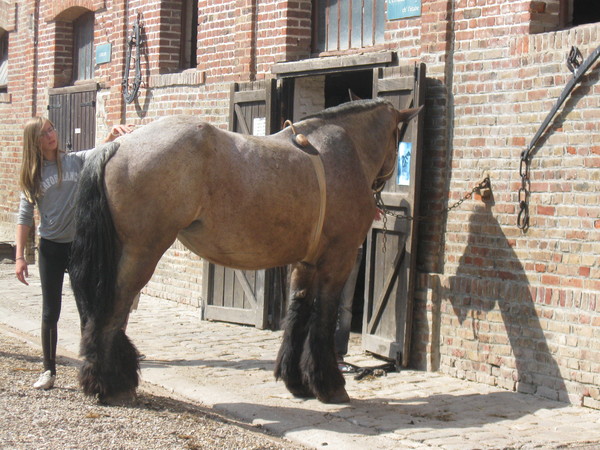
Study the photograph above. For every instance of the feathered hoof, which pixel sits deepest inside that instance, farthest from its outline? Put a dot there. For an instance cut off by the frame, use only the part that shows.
(125, 398)
(338, 396)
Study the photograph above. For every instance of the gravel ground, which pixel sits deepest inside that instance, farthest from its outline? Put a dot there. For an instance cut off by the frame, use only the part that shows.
(64, 418)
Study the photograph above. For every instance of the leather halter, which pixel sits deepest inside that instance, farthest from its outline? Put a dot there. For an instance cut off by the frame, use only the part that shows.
(380, 180)
(315, 157)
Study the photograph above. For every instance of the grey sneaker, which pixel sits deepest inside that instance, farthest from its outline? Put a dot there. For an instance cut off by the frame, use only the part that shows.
(46, 381)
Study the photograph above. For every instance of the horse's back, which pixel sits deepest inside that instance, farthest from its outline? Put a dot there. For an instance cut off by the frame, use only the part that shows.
(234, 197)
(237, 200)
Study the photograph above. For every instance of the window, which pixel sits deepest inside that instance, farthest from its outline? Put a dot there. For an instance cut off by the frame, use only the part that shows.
(83, 47)
(344, 24)
(3, 61)
(189, 34)
(579, 12)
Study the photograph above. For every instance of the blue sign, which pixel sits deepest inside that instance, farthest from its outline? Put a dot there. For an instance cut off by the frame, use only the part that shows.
(103, 52)
(400, 9)
(404, 157)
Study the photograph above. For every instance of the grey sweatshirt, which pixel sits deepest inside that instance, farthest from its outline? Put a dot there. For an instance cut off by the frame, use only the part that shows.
(57, 200)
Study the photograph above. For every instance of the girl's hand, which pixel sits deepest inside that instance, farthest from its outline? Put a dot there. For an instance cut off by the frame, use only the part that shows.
(118, 130)
(21, 270)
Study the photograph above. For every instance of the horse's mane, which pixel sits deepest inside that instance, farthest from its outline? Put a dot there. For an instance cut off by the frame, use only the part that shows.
(348, 108)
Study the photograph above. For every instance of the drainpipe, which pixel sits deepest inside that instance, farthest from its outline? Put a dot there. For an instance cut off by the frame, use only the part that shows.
(254, 39)
(34, 77)
(120, 70)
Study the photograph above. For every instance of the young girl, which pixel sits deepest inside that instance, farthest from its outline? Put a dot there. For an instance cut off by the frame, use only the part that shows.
(49, 179)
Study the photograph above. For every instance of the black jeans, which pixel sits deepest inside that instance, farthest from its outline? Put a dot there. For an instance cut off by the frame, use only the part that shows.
(53, 261)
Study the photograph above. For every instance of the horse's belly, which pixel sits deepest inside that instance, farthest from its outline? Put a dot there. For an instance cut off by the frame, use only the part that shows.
(242, 250)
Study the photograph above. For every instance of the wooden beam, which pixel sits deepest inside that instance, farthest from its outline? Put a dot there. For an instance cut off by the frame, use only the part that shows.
(316, 66)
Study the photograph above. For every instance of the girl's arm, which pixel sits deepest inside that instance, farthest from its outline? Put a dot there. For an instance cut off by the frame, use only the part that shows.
(20, 263)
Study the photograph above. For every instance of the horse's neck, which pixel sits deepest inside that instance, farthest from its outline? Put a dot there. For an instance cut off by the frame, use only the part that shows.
(372, 139)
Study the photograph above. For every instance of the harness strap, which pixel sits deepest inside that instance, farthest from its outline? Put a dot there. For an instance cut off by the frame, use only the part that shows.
(301, 141)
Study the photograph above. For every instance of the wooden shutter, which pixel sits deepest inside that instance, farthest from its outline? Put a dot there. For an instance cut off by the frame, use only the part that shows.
(72, 110)
(392, 244)
(244, 296)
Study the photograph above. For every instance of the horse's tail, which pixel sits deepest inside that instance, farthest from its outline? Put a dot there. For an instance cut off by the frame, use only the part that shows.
(93, 253)
(110, 360)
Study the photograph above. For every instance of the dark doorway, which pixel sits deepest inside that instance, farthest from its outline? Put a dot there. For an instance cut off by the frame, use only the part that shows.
(337, 91)
(338, 85)
(585, 11)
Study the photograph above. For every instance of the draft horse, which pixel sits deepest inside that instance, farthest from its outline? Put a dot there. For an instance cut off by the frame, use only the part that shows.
(240, 201)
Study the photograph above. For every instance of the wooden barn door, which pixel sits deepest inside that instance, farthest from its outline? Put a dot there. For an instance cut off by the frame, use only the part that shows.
(392, 243)
(245, 296)
(73, 112)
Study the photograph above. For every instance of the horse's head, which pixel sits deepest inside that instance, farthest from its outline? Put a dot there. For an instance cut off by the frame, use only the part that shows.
(398, 118)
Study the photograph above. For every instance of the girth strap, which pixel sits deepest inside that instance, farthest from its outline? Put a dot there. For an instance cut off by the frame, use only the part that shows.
(315, 157)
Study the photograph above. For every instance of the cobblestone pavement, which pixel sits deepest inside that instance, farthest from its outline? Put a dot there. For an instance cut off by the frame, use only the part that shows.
(230, 369)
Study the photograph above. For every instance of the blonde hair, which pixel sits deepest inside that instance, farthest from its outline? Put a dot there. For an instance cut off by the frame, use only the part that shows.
(33, 159)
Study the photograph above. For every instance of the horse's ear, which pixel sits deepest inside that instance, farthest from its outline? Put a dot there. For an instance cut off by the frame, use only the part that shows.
(353, 96)
(407, 114)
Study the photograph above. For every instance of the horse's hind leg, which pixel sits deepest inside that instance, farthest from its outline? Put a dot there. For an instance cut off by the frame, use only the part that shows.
(111, 367)
(287, 366)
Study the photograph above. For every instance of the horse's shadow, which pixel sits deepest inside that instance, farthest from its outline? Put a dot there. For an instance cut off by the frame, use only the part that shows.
(238, 364)
(380, 416)
(491, 295)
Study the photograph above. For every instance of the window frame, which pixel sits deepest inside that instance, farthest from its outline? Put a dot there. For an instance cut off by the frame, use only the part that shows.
(567, 11)
(83, 47)
(188, 58)
(4, 42)
(371, 32)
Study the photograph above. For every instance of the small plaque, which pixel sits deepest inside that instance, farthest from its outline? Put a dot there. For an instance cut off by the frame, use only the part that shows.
(401, 9)
(259, 126)
(103, 53)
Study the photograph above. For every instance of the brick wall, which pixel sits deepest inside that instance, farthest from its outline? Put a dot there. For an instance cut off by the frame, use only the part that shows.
(14, 105)
(494, 305)
(512, 309)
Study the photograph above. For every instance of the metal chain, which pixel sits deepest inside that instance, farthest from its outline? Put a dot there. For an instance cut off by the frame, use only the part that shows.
(483, 184)
(384, 220)
(578, 67)
(523, 216)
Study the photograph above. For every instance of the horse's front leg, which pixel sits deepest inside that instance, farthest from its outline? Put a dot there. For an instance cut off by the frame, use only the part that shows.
(287, 365)
(319, 364)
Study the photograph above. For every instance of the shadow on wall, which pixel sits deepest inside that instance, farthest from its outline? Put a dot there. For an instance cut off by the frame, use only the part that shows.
(501, 333)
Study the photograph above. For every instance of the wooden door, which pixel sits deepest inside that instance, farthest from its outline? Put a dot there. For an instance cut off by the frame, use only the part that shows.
(392, 242)
(245, 296)
(73, 112)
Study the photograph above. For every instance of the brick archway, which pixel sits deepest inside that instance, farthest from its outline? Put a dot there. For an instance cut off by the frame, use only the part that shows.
(69, 10)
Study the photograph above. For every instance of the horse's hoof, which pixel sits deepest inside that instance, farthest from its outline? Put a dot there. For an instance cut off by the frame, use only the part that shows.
(300, 391)
(339, 396)
(126, 398)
